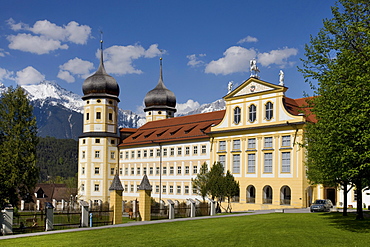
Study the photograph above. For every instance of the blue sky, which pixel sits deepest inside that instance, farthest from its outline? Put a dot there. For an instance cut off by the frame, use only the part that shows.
(204, 44)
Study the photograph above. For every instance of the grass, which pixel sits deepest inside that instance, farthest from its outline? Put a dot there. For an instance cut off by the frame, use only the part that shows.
(315, 229)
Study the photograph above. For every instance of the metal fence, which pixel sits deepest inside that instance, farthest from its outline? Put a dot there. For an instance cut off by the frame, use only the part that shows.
(158, 212)
(101, 218)
(66, 220)
(182, 210)
(202, 209)
(27, 222)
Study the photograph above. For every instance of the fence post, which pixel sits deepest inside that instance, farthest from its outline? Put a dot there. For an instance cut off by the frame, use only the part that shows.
(116, 190)
(171, 210)
(7, 220)
(49, 221)
(213, 207)
(84, 214)
(22, 205)
(38, 205)
(192, 208)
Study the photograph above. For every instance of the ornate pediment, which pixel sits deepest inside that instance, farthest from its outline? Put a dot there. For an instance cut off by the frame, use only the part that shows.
(253, 87)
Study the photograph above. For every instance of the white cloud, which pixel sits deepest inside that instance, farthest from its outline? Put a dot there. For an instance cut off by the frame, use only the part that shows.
(34, 44)
(3, 53)
(46, 36)
(5, 74)
(77, 67)
(278, 57)
(248, 39)
(236, 59)
(118, 59)
(194, 60)
(186, 107)
(29, 76)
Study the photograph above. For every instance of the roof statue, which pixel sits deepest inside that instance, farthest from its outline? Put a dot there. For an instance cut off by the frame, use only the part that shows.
(254, 69)
(281, 78)
(229, 86)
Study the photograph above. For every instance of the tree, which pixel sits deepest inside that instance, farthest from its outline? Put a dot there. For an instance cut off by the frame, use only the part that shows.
(338, 58)
(200, 181)
(231, 189)
(18, 140)
(215, 181)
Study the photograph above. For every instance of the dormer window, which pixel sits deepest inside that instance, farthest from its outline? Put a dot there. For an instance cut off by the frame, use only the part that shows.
(252, 113)
(269, 111)
(237, 113)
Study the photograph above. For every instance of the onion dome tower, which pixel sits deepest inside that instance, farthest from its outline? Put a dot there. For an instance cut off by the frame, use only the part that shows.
(98, 153)
(160, 102)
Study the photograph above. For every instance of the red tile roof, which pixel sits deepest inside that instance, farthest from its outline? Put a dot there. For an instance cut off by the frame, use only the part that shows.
(174, 129)
(299, 106)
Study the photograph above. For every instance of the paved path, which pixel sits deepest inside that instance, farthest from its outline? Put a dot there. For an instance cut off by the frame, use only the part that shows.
(137, 223)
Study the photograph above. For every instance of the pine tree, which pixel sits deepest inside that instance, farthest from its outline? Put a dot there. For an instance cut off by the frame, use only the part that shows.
(18, 140)
(200, 181)
(338, 145)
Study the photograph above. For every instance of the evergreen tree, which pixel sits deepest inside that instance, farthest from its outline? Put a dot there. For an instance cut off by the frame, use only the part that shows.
(18, 140)
(200, 181)
(215, 181)
(338, 145)
(231, 189)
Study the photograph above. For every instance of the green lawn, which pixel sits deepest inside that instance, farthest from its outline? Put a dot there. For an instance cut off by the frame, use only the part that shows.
(313, 229)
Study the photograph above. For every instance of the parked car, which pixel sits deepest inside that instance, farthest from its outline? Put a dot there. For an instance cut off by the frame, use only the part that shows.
(321, 205)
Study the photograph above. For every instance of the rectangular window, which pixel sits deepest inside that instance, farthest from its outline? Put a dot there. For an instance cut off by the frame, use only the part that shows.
(126, 170)
(178, 189)
(87, 116)
(252, 143)
(157, 170)
(171, 189)
(267, 167)
(204, 149)
(164, 188)
(97, 140)
(150, 170)
(112, 154)
(187, 150)
(144, 171)
(132, 154)
(179, 151)
(96, 170)
(126, 155)
(195, 169)
(158, 152)
(236, 145)
(97, 154)
(138, 153)
(236, 163)
(186, 169)
(195, 150)
(179, 170)
(126, 187)
(120, 171)
(222, 159)
(172, 151)
(251, 163)
(268, 142)
(285, 162)
(132, 171)
(157, 188)
(98, 115)
(145, 153)
(131, 188)
(83, 154)
(151, 153)
(121, 155)
(111, 171)
(165, 152)
(285, 141)
(222, 146)
(110, 116)
(96, 187)
(112, 142)
(83, 170)
(82, 187)
(186, 191)
(137, 170)
(171, 170)
(164, 171)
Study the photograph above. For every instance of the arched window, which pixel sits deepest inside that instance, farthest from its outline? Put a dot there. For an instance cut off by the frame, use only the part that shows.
(252, 113)
(251, 194)
(269, 111)
(237, 114)
(267, 195)
(285, 195)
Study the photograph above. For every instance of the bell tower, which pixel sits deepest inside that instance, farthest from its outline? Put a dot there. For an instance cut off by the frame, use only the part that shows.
(98, 152)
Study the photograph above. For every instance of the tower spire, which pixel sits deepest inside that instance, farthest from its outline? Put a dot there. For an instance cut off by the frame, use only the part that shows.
(101, 50)
(160, 70)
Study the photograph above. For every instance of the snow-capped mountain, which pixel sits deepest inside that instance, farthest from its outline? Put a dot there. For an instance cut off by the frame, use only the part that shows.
(59, 111)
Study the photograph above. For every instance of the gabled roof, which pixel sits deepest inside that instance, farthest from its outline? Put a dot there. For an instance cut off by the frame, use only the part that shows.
(174, 129)
(298, 107)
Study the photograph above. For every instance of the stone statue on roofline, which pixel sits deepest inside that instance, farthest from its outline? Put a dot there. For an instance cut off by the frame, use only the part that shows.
(229, 86)
(281, 78)
(254, 69)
